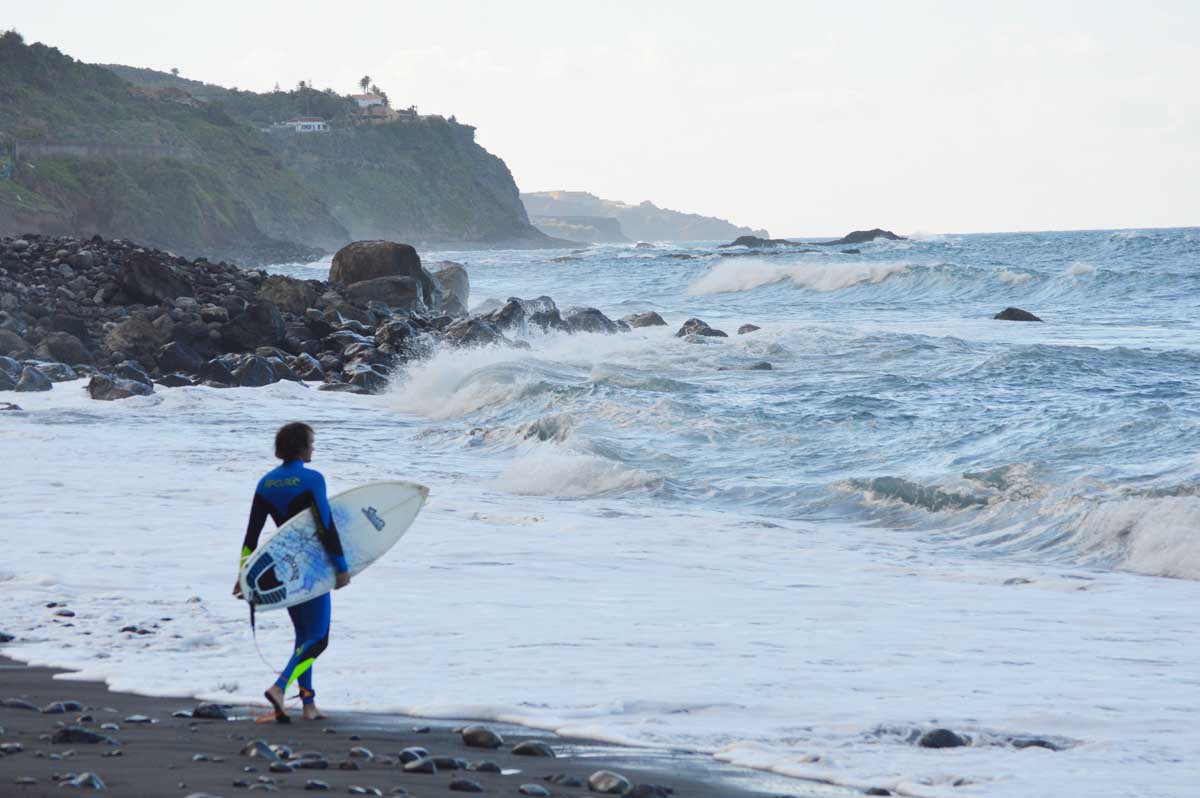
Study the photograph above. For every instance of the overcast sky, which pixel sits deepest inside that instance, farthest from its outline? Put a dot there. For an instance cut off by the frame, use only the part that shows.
(805, 118)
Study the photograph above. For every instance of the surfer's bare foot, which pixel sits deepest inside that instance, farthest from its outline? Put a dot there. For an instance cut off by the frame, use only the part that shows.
(275, 696)
(312, 713)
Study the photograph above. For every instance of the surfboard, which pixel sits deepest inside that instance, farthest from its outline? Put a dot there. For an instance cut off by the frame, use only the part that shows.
(293, 567)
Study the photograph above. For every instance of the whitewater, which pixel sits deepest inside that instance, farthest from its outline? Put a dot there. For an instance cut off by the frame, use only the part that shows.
(919, 518)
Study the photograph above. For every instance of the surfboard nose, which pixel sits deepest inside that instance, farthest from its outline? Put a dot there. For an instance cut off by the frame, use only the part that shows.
(424, 492)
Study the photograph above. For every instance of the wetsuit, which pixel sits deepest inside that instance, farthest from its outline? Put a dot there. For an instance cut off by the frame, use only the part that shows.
(283, 493)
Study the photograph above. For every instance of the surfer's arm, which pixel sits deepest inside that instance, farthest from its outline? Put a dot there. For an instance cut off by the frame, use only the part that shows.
(329, 534)
(259, 510)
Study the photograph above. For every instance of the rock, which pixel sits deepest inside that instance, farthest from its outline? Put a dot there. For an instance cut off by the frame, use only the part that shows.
(5, 637)
(647, 319)
(401, 294)
(533, 748)
(412, 754)
(748, 328)
(176, 379)
(131, 370)
(308, 367)
(358, 752)
(589, 320)
(455, 282)
(877, 791)
(104, 388)
(509, 316)
(484, 766)
(423, 765)
(7, 406)
(210, 314)
(84, 781)
(32, 380)
(472, 333)
(761, 365)
(851, 251)
(55, 372)
(698, 327)
(254, 372)
(650, 791)
(450, 763)
(63, 347)
(367, 260)
(481, 737)
(312, 763)
(210, 712)
(754, 242)
(399, 336)
(217, 371)
(18, 703)
(281, 767)
(259, 748)
(11, 748)
(178, 356)
(862, 237)
(287, 293)
(370, 378)
(137, 338)
(147, 279)
(564, 780)
(1015, 314)
(13, 344)
(533, 789)
(260, 324)
(465, 785)
(605, 781)
(10, 368)
(942, 738)
(110, 727)
(78, 734)
(144, 719)
(60, 707)
(356, 790)
(315, 784)
(65, 613)
(344, 387)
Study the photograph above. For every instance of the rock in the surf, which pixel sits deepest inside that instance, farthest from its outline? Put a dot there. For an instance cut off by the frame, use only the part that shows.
(481, 737)
(748, 328)
(755, 242)
(647, 319)
(590, 320)
(472, 333)
(862, 237)
(33, 380)
(367, 260)
(608, 782)
(106, 389)
(942, 738)
(455, 282)
(761, 365)
(1015, 314)
(533, 748)
(698, 327)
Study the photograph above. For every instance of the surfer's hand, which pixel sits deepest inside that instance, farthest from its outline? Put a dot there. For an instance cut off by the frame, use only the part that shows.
(342, 581)
(237, 588)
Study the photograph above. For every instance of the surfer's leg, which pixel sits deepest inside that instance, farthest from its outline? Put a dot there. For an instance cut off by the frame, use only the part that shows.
(311, 621)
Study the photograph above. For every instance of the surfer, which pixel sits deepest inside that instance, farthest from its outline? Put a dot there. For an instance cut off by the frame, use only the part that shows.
(282, 493)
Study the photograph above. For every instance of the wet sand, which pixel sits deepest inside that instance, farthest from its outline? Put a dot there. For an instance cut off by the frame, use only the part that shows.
(183, 756)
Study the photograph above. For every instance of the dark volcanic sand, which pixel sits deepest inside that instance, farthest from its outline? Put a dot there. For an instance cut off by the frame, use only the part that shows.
(156, 759)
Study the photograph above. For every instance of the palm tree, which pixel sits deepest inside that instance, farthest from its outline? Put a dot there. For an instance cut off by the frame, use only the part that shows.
(364, 81)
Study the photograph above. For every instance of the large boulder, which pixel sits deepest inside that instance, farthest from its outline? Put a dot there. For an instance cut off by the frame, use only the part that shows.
(63, 347)
(647, 319)
(1015, 314)
(755, 242)
(260, 324)
(367, 260)
(402, 294)
(287, 293)
(472, 332)
(862, 237)
(590, 320)
(106, 388)
(135, 337)
(148, 279)
(255, 372)
(33, 380)
(12, 344)
(698, 327)
(178, 356)
(454, 281)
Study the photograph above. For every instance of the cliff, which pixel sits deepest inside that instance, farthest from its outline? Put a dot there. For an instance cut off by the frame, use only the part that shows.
(184, 166)
(642, 222)
(582, 229)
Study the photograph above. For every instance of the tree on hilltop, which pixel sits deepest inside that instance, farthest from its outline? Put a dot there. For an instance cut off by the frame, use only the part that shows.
(175, 71)
(364, 81)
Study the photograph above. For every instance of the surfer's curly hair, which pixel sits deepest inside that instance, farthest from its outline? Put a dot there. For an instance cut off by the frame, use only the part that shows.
(291, 440)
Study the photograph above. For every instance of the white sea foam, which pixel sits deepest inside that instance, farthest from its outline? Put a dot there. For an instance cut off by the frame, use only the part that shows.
(1079, 269)
(551, 471)
(1011, 277)
(745, 274)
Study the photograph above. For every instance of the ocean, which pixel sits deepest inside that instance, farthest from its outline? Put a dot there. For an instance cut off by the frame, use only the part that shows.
(918, 518)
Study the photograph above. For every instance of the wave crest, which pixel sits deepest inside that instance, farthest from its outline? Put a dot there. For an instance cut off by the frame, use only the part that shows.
(746, 274)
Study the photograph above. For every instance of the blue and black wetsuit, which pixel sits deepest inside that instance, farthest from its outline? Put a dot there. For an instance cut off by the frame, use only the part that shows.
(283, 493)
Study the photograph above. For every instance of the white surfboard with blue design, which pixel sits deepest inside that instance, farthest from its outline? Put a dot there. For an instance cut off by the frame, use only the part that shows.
(293, 567)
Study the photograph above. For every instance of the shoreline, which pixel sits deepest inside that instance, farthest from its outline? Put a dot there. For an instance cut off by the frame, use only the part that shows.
(182, 756)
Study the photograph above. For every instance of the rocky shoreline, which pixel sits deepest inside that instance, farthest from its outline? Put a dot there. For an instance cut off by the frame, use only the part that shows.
(130, 318)
(80, 735)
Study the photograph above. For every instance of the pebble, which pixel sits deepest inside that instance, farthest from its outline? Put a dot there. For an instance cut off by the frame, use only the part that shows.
(421, 730)
(650, 791)
(423, 765)
(110, 727)
(348, 765)
(241, 783)
(605, 781)
(315, 784)
(412, 754)
(259, 748)
(563, 780)
(65, 613)
(533, 789)
(264, 787)
(11, 748)
(465, 785)
(877, 791)
(533, 748)
(17, 703)
(281, 767)
(399, 791)
(356, 790)
(87, 781)
(210, 712)
(78, 734)
(312, 763)
(199, 757)
(181, 713)
(484, 766)
(61, 707)
(114, 752)
(449, 763)
(138, 719)
(481, 737)
(358, 752)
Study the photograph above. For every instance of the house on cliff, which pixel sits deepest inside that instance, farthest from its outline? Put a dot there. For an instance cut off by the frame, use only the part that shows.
(303, 124)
